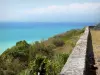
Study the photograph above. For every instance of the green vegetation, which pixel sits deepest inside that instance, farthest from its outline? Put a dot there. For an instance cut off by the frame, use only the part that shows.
(58, 42)
(45, 57)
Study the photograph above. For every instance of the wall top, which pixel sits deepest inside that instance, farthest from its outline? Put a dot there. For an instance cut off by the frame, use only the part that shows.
(75, 64)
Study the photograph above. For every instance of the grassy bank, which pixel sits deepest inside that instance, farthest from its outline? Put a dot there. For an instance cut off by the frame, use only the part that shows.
(46, 57)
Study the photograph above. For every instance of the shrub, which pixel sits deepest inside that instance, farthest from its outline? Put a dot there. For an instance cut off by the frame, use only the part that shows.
(58, 42)
(63, 58)
(41, 49)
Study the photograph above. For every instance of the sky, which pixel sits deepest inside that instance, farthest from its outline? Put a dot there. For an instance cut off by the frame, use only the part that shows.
(50, 11)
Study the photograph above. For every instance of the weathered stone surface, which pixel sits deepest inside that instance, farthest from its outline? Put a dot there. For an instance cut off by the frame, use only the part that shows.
(75, 64)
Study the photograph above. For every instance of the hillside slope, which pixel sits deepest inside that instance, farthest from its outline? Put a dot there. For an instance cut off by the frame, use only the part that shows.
(46, 57)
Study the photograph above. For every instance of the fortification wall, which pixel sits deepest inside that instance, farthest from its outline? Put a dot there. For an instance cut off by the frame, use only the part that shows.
(76, 63)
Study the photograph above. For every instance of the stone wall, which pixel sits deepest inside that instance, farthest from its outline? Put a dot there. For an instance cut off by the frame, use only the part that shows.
(76, 62)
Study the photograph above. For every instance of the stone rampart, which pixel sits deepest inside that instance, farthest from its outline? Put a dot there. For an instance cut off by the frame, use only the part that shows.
(76, 63)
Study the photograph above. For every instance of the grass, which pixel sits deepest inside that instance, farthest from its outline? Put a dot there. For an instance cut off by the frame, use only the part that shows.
(96, 48)
(70, 38)
(96, 42)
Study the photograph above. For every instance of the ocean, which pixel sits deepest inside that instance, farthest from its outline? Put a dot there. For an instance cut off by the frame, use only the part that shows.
(12, 32)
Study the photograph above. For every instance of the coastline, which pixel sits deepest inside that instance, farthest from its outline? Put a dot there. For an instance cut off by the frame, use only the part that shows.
(10, 35)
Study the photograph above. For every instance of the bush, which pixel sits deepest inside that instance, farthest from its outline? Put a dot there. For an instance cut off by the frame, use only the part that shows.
(46, 66)
(58, 42)
(53, 67)
(63, 58)
(41, 49)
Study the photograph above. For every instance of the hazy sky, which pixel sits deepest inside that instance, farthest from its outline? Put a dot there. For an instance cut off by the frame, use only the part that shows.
(50, 10)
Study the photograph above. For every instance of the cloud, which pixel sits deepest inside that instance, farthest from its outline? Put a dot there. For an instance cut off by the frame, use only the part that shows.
(81, 10)
(71, 8)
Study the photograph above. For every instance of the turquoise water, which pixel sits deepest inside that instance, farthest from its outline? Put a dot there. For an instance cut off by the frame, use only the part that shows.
(10, 33)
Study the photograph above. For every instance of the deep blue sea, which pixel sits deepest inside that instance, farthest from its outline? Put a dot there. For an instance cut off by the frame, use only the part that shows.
(12, 32)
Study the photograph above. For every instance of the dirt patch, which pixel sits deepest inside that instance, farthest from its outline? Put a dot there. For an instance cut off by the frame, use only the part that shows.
(96, 48)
